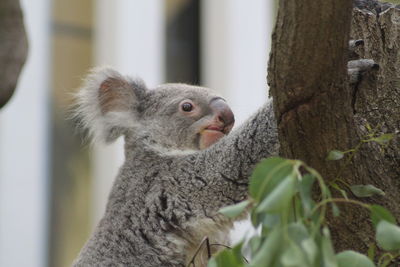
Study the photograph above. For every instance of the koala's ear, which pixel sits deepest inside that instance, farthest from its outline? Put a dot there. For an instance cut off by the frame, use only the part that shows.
(107, 104)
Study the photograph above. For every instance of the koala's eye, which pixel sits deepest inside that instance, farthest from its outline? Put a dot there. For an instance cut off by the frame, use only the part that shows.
(187, 107)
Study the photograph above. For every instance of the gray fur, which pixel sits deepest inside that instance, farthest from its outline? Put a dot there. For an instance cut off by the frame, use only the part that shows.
(167, 193)
(355, 68)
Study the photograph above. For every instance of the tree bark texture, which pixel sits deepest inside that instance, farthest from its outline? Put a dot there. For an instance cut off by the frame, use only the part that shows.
(317, 110)
(13, 47)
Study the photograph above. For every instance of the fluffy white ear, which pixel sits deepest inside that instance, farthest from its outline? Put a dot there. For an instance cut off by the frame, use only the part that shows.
(107, 103)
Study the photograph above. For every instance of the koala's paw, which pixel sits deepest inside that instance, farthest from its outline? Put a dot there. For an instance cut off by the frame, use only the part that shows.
(355, 68)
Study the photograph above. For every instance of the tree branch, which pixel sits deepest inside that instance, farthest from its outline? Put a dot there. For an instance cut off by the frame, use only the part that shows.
(307, 50)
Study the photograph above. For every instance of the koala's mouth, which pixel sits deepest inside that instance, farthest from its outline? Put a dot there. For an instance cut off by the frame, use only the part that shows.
(214, 128)
(211, 134)
(223, 129)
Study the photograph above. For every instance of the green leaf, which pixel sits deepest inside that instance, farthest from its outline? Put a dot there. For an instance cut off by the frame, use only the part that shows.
(383, 139)
(269, 250)
(388, 235)
(267, 220)
(212, 263)
(311, 249)
(335, 155)
(305, 186)
(280, 197)
(225, 258)
(229, 257)
(328, 254)
(298, 254)
(366, 190)
(260, 173)
(267, 175)
(237, 251)
(270, 220)
(379, 213)
(255, 243)
(297, 232)
(255, 218)
(294, 257)
(351, 258)
(233, 211)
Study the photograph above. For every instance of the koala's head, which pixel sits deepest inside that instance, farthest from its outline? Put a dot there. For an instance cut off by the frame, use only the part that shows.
(177, 116)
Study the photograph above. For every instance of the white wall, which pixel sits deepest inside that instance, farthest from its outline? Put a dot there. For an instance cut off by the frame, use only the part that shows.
(129, 35)
(236, 37)
(24, 138)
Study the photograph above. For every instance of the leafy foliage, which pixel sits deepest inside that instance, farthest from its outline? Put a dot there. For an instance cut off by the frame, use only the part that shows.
(335, 155)
(292, 223)
(353, 259)
(366, 190)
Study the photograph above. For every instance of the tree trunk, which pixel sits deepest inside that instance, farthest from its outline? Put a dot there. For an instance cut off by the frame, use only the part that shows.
(13, 47)
(317, 110)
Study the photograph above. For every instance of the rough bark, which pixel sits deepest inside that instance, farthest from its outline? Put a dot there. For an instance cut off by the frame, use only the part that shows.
(13, 47)
(317, 110)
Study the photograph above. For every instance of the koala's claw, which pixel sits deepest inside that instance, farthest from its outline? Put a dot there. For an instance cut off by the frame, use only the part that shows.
(355, 68)
(353, 44)
(352, 49)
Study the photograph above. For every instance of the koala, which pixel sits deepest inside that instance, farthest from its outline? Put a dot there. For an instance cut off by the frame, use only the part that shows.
(182, 164)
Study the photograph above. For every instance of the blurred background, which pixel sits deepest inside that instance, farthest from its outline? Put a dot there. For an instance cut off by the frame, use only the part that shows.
(53, 185)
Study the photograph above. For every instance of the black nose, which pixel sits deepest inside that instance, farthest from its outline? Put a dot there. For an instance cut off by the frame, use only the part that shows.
(222, 111)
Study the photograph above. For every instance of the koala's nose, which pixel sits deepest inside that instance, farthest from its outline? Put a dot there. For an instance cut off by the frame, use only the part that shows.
(222, 112)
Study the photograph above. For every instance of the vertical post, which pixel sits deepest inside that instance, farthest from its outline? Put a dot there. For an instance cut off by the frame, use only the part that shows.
(24, 152)
(129, 37)
(236, 40)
